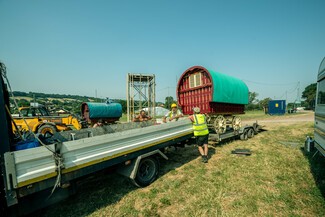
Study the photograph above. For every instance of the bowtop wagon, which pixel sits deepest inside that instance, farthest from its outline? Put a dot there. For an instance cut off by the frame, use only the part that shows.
(221, 97)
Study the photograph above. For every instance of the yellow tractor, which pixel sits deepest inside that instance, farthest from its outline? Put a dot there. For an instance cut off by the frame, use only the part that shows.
(40, 121)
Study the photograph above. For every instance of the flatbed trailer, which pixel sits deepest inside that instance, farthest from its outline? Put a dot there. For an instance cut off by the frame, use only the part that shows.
(37, 177)
(31, 174)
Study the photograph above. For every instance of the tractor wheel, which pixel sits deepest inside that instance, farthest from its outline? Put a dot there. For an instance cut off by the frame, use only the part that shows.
(47, 129)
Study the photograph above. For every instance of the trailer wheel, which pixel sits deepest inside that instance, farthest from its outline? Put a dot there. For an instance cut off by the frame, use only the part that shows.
(46, 129)
(250, 133)
(243, 136)
(147, 171)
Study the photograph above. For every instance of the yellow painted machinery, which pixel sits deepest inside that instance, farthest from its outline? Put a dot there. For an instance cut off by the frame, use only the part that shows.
(39, 120)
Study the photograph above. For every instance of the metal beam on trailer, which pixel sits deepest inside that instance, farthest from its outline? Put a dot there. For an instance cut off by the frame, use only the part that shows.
(86, 152)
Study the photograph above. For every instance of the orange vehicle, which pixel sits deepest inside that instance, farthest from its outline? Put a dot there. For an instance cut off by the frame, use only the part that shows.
(41, 121)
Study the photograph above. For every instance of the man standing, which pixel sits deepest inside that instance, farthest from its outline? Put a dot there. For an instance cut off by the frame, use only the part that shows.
(201, 132)
(174, 114)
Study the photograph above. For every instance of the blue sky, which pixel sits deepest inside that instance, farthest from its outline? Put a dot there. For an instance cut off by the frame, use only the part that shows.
(77, 47)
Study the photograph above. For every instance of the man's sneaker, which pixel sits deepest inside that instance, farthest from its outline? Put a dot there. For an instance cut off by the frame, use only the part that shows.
(204, 159)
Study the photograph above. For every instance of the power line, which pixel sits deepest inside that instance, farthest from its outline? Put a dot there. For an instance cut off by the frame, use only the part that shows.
(274, 84)
(165, 88)
(296, 88)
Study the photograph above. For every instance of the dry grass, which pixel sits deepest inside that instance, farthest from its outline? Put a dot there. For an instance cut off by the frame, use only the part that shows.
(23, 97)
(276, 180)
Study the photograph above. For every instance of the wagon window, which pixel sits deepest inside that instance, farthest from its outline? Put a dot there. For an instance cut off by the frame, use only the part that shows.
(195, 80)
(321, 92)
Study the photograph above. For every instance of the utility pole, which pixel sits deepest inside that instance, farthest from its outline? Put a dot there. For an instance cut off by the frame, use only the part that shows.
(298, 92)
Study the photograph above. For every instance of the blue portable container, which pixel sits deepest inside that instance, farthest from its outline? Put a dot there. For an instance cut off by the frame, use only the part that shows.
(26, 144)
(277, 107)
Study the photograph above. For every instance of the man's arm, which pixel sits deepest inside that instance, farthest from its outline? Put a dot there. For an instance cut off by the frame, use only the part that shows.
(179, 115)
(165, 117)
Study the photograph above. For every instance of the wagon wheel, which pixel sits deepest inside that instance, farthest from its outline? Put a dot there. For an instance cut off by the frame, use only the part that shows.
(220, 124)
(236, 123)
(208, 118)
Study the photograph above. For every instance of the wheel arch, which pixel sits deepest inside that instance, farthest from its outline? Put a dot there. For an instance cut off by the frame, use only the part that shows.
(131, 170)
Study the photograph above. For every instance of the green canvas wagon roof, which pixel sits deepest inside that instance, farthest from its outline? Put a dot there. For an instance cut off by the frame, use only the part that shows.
(227, 89)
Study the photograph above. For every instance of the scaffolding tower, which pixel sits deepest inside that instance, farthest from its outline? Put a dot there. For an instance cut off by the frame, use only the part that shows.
(141, 94)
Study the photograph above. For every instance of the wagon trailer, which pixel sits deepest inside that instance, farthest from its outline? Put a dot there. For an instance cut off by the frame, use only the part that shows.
(221, 97)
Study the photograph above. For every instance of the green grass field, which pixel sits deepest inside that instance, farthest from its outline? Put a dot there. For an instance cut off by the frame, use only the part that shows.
(278, 179)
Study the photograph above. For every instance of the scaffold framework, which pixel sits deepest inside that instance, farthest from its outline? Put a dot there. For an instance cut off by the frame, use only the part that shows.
(141, 94)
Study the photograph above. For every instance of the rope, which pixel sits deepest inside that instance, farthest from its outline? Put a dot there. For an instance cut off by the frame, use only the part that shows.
(57, 157)
(59, 166)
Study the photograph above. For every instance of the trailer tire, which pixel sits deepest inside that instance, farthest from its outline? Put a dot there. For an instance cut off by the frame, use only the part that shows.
(250, 133)
(147, 172)
(243, 136)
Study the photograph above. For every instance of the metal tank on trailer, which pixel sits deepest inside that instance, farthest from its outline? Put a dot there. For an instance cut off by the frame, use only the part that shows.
(109, 112)
(218, 95)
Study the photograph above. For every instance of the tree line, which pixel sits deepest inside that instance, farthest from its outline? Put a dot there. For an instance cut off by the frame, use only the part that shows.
(309, 96)
(73, 103)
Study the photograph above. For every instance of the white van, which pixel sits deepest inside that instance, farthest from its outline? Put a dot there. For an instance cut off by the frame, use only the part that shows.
(320, 110)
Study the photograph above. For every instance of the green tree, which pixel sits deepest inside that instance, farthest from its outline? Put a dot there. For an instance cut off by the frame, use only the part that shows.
(252, 101)
(310, 94)
(264, 103)
(23, 103)
(168, 101)
(252, 98)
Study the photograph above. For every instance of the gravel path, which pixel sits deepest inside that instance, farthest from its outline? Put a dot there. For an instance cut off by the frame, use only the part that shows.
(308, 117)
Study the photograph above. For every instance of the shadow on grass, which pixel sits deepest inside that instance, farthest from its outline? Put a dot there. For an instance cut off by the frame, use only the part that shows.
(180, 156)
(317, 167)
(107, 187)
(93, 193)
